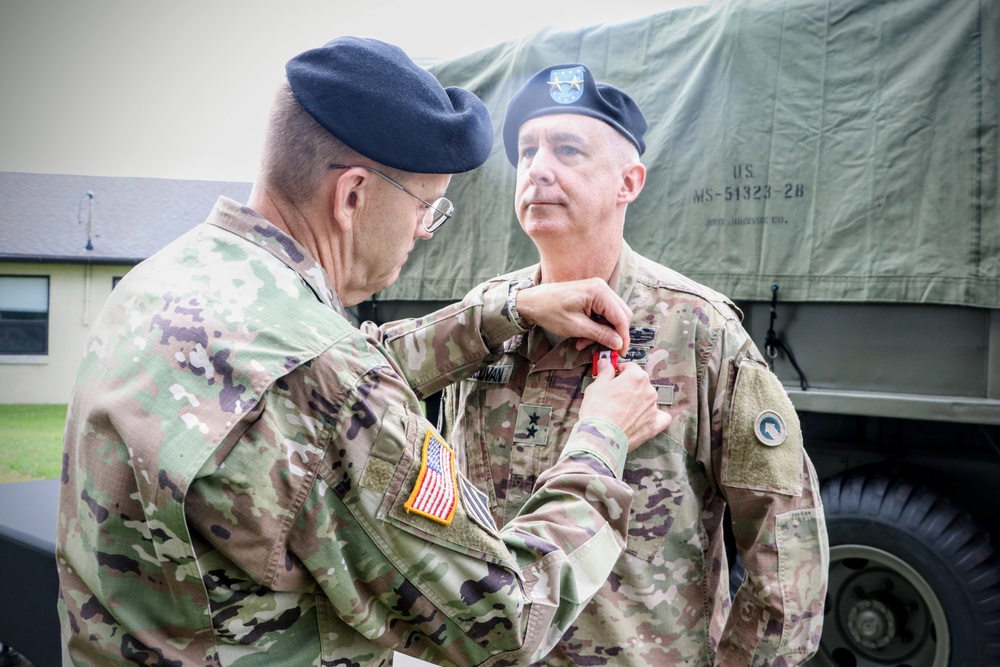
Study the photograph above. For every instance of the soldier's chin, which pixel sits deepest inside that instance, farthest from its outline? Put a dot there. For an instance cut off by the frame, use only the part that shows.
(544, 230)
(391, 278)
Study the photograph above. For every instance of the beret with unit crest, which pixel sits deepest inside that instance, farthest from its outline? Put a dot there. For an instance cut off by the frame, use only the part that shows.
(571, 89)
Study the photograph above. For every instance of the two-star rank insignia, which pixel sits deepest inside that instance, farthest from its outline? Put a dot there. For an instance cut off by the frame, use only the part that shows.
(532, 424)
(566, 85)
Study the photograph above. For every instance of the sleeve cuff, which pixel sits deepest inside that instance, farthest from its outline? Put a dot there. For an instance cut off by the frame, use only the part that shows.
(496, 328)
(601, 438)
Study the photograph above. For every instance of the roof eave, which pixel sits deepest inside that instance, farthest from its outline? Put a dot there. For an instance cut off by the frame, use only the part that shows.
(69, 259)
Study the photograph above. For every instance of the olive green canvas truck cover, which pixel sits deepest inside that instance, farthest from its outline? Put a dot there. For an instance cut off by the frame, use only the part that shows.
(847, 150)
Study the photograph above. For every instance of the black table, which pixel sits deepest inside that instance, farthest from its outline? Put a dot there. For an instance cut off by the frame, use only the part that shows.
(29, 584)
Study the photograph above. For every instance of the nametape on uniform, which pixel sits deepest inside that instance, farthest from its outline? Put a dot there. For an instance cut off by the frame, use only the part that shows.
(477, 506)
(493, 374)
(434, 494)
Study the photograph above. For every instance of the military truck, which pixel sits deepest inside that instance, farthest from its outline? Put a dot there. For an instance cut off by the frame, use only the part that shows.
(832, 166)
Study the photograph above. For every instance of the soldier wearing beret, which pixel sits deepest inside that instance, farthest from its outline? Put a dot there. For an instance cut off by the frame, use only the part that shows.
(734, 440)
(248, 478)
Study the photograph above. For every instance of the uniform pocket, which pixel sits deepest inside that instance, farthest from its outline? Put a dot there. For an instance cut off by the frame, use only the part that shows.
(463, 533)
(764, 444)
(652, 471)
(803, 560)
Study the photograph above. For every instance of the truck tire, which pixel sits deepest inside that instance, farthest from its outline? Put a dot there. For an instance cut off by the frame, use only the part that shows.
(914, 581)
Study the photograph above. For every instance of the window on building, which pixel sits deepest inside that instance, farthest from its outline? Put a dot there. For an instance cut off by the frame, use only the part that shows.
(24, 315)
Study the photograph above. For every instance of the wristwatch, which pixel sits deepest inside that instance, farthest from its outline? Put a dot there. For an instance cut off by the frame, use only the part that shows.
(511, 306)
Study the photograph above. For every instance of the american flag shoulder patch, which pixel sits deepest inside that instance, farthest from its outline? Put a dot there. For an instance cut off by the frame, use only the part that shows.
(477, 506)
(435, 495)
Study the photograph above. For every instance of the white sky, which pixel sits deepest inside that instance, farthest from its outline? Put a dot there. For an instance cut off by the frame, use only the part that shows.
(180, 88)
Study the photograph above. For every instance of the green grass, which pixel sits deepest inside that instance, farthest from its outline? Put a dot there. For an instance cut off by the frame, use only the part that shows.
(31, 441)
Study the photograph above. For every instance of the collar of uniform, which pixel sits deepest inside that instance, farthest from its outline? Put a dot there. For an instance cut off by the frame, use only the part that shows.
(537, 347)
(254, 228)
(622, 279)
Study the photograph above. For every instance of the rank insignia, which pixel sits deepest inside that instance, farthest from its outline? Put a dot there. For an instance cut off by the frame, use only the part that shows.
(434, 495)
(477, 506)
(532, 424)
(770, 428)
(566, 85)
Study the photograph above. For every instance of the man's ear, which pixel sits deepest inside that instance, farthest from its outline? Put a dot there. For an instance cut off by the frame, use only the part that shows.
(346, 197)
(633, 179)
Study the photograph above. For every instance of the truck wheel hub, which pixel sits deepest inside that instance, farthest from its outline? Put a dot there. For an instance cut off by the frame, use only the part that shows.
(871, 624)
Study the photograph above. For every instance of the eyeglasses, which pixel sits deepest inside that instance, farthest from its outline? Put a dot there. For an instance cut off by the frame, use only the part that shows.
(440, 210)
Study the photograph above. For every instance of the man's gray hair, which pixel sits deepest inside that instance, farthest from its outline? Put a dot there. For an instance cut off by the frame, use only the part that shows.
(297, 150)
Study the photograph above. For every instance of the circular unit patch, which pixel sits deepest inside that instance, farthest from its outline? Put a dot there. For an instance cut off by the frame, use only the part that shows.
(770, 429)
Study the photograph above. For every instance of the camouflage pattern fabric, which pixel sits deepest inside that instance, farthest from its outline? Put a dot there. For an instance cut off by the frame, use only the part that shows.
(237, 462)
(667, 600)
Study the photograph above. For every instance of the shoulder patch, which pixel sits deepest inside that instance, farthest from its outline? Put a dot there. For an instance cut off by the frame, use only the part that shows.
(477, 506)
(769, 428)
(763, 446)
(434, 494)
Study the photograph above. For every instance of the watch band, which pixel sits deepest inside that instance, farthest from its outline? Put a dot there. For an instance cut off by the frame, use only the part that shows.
(511, 305)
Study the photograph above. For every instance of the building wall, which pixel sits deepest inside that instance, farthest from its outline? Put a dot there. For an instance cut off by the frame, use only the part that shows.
(76, 295)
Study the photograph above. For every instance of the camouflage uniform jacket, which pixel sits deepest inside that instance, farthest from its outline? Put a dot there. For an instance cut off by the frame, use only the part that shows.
(667, 601)
(245, 475)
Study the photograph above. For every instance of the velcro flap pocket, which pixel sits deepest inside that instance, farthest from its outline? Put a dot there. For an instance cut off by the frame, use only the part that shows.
(463, 534)
(803, 561)
(764, 443)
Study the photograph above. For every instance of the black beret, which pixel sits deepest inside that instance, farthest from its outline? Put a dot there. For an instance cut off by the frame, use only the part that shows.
(374, 98)
(572, 89)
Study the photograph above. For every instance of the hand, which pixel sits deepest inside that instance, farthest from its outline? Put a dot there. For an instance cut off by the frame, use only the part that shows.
(628, 400)
(568, 309)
